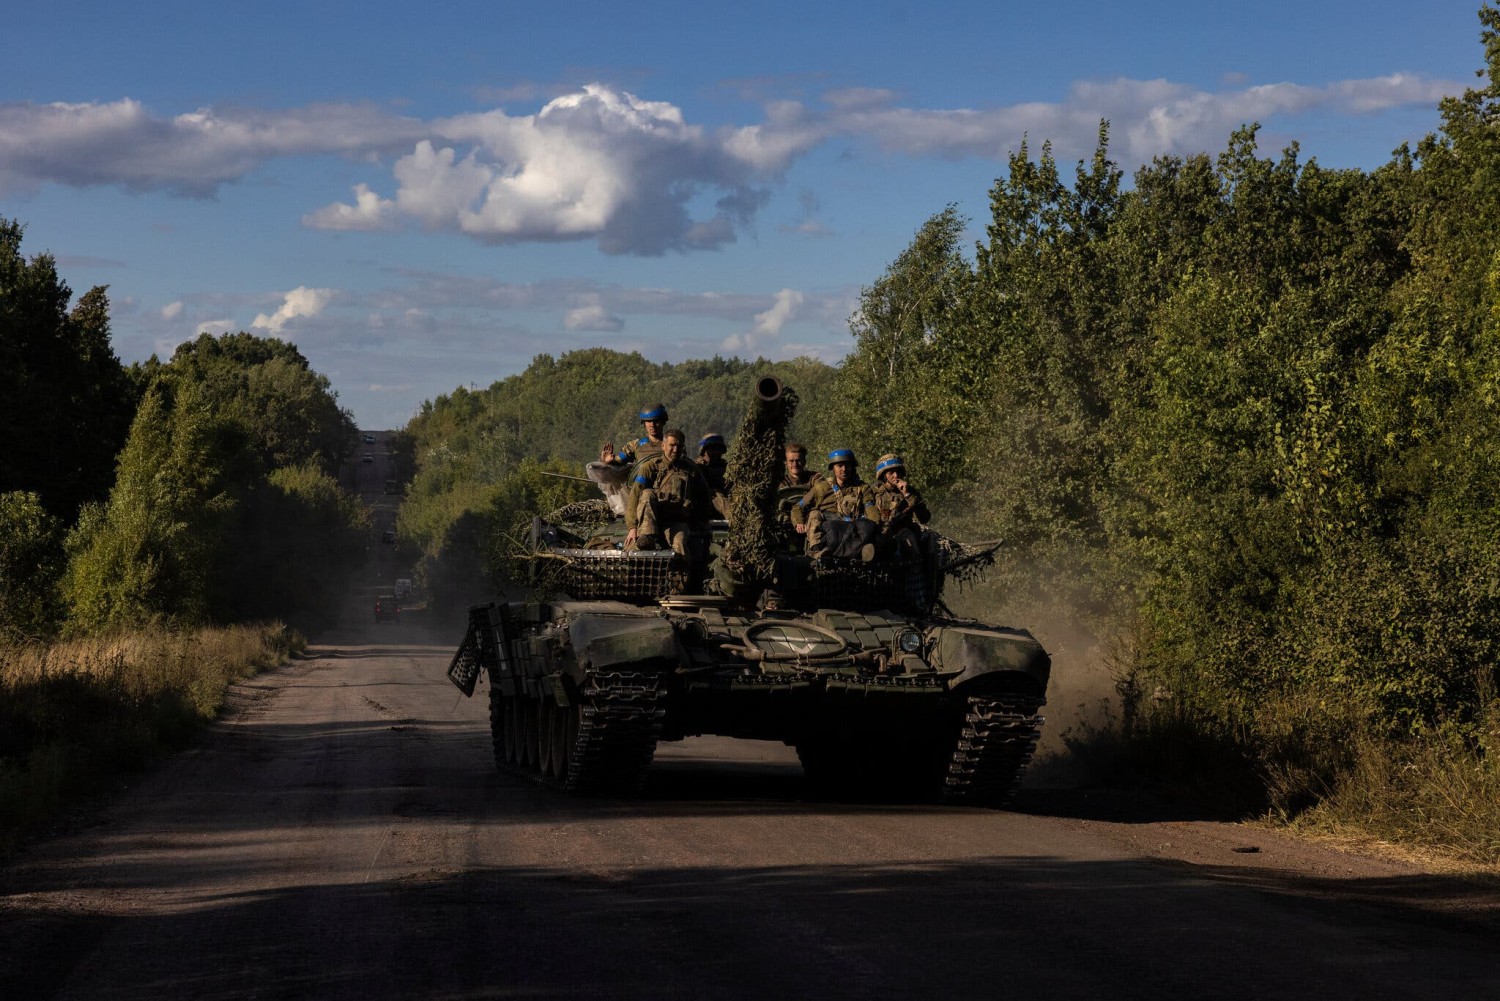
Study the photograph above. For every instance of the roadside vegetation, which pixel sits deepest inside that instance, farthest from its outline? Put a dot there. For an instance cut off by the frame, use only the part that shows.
(75, 714)
(1238, 419)
(152, 520)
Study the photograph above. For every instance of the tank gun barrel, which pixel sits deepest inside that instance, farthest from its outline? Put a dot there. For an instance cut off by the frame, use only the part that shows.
(747, 560)
(768, 391)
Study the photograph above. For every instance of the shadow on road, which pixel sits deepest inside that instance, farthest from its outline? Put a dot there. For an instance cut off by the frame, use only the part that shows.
(996, 927)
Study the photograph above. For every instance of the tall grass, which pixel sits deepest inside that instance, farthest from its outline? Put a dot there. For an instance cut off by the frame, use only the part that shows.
(74, 714)
(1440, 791)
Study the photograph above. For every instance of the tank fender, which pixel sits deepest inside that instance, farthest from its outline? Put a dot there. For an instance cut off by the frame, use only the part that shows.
(971, 652)
(601, 641)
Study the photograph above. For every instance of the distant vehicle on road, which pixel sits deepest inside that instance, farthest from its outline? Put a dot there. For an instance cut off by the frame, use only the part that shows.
(403, 587)
(387, 608)
(367, 457)
(388, 537)
(368, 439)
(392, 487)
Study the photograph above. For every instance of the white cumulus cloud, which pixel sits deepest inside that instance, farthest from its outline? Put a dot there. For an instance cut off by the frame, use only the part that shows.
(171, 310)
(368, 212)
(600, 164)
(300, 301)
(768, 323)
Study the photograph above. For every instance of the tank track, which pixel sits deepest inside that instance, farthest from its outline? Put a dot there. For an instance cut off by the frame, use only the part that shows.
(995, 743)
(618, 728)
(618, 722)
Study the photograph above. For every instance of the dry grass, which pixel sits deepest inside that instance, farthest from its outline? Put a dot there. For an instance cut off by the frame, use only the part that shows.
(74, 714)
(1439, 794)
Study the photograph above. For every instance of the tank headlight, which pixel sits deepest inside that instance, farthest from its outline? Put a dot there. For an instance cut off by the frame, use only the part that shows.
(910, 641)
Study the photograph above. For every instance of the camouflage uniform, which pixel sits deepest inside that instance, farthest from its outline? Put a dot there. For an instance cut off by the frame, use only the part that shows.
(667, 500)
(852, 503)
(639, 450)
(898, 511)
(902, 516)
(789, 492)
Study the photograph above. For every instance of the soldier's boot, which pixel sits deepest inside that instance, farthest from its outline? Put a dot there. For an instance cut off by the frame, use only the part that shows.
(677, 539)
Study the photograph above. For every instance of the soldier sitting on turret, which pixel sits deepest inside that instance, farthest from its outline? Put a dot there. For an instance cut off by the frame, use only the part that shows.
(794, 486)
(903, 513)
(653, 419)
(711, 464)
(668, 499)
(842, 520)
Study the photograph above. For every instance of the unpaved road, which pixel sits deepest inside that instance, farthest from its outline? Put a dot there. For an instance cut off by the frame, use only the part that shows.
(343, 835)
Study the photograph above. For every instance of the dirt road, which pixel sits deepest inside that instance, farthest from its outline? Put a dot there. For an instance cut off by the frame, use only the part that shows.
(344, 835)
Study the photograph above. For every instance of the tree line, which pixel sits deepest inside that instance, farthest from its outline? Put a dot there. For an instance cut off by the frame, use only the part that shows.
(197, 490)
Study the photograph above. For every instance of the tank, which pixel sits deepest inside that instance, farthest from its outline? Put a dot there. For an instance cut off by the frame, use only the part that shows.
(859, 666)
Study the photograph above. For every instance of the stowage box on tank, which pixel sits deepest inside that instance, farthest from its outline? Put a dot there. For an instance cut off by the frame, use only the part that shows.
(855, 664)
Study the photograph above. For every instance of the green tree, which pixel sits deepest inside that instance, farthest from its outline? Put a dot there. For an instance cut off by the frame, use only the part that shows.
(907, 387)
(31, 564)
(64, 398)
(148, 554)
(289, 412)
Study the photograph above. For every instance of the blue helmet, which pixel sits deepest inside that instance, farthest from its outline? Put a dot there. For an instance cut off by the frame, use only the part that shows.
(712, 438)
(842, 455)
(889, 461)
(655, 412)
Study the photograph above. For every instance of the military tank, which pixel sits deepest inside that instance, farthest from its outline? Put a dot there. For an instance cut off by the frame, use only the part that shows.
(858, 665)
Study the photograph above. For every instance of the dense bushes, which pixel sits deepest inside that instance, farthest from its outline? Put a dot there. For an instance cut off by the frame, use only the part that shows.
(1242, 418)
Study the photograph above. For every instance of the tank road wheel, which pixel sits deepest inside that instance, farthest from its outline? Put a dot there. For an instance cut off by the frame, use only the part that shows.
(515, 733)
(500, 731)
(507, 753)
(529, 749)
(544, 735)
(561, 715)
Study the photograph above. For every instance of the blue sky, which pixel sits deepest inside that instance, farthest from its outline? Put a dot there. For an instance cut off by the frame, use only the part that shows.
(426, 196)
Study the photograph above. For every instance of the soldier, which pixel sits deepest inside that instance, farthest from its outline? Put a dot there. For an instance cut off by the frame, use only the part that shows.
(794, 486)
(653, 418)
(668, 499)
(902, 511)
(841, 516)
(711, 464)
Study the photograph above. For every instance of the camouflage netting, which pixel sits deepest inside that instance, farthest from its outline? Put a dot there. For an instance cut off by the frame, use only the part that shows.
(756, 462)
(962, 562)
(586, 515)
